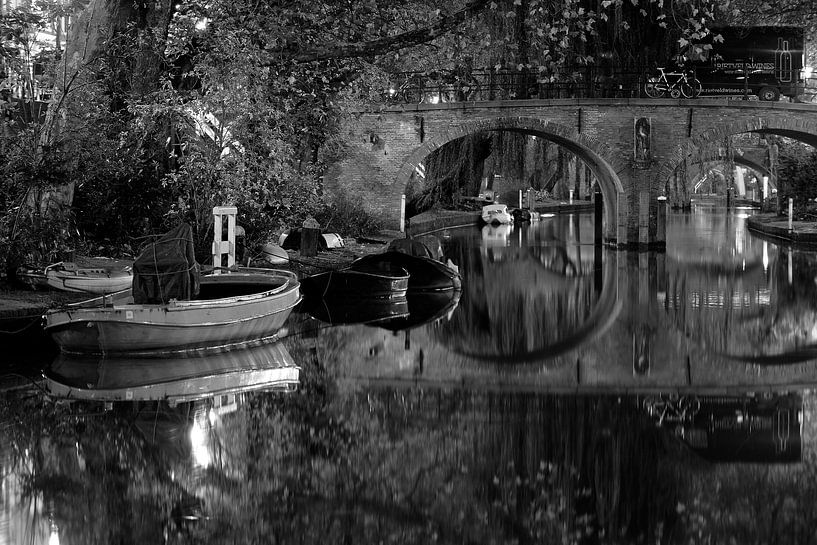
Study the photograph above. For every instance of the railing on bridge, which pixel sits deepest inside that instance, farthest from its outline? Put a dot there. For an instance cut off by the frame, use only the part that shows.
(432, 87)
(480, 85)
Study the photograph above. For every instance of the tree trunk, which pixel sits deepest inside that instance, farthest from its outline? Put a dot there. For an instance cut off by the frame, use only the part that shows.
(90, 33)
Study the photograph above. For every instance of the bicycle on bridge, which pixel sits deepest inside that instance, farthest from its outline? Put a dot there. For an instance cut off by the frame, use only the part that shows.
(676, 84)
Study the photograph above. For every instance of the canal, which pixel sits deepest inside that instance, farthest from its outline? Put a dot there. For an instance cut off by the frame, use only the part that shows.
(568, 394)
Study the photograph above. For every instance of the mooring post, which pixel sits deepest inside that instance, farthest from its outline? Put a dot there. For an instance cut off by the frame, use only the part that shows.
(598, 217)
(310, 237)
(222, 247)
(791, 213)
(661, 228)
(402, 213)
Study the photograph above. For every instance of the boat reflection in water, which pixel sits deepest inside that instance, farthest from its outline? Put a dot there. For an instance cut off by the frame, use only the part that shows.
(416, 310)
(189, 412)
(192, 377)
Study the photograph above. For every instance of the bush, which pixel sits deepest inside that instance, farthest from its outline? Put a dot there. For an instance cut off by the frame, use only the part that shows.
(348, 218)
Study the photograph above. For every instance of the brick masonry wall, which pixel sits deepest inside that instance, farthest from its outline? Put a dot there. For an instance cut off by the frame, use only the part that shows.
(385, 146)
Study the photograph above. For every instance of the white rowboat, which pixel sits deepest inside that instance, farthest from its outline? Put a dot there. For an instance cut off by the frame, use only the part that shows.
(68, 276)
(232, 309)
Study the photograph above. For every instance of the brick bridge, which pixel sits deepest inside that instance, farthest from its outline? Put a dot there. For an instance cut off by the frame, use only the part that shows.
(387, 144)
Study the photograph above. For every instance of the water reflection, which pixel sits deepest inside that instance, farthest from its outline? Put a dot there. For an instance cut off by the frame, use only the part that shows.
(530, 292)
(738, 295)
(99, 438)
(417, 466)
(575, 396)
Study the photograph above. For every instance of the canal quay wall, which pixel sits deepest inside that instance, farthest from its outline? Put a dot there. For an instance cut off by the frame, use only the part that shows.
(776, 228)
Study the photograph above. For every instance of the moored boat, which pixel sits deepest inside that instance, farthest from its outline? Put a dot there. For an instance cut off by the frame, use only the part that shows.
(232, 308)
(69, 276)
(350, 311)
(496, 214)
(172, 309)
(32, 277)
(360, 281)
(425, 273)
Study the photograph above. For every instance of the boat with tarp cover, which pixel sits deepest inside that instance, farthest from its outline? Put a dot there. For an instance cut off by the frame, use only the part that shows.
(173, 308)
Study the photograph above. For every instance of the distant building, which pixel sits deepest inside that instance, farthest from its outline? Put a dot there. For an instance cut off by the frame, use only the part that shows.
(24, 65)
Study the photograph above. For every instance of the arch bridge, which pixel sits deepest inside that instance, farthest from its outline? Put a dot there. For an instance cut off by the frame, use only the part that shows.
(385, 145)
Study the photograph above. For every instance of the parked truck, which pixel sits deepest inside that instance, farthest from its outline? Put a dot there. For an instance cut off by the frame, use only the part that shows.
(766, 61)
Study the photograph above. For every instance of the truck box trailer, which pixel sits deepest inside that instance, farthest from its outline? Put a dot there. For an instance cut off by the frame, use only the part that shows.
(766, 61)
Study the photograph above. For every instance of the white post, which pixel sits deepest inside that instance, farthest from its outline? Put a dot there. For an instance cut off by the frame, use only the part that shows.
(791, 212)
(402, 213)
(221, 247)
(520, 199)
(765, 188)
(571, 196)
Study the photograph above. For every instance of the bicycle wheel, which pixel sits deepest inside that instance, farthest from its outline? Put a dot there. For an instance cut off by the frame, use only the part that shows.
(653, 88)
(411, 95)
(691, 88)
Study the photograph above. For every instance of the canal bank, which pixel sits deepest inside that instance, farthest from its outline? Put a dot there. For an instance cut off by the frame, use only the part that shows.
(777, 228)
(22, 309)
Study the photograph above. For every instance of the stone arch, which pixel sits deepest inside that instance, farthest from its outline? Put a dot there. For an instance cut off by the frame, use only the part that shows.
(714, 157)
(598, 157)
(790, 126)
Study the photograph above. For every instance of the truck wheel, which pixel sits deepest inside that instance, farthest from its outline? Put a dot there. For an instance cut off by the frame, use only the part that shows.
(768, 93)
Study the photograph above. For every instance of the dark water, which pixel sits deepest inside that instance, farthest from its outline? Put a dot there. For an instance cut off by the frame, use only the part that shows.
(569, 394)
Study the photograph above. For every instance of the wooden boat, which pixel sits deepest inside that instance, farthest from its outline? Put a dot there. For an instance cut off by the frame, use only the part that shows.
(359, 281)
(68, 276)
(425, 273)
(350, 311)
(263, 366)
(32, 277)
(232, 308)
(496, 214)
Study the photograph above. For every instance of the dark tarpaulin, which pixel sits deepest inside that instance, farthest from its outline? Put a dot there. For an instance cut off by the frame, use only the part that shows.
(293, 241)
(167, 269)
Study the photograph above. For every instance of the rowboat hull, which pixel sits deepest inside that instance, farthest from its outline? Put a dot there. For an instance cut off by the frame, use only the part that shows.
(358, 281)
(114, 325)
(355, 312)
(68, 277)
(425, 274)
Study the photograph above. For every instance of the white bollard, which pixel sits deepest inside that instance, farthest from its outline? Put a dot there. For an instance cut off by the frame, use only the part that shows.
(571, 196)
(402, 213)
(791, 212)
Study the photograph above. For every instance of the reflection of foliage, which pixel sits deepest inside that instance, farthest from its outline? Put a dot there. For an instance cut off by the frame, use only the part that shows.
(407, 466)
(103, 480)
(779, 509)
